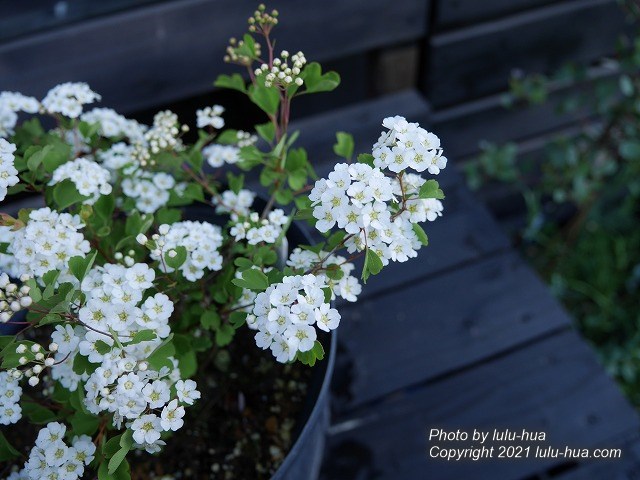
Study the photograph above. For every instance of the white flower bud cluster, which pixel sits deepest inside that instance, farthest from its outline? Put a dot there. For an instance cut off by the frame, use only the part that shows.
(201, 240)
(210, 117)
(406, 145)
(150, 190)
(52, 457)
(256, 231)
(10, 104)
(233, 55)
(113, 125)
(163, 135)
(90, 179)
(346, 287)
(245, 138)
(285, 315)
(12, 297)
(47, 243)
(37, 355)
(128, 259)
(281, 74)
(10, 393)
(8, 173)
(237, 204)
(68, 99)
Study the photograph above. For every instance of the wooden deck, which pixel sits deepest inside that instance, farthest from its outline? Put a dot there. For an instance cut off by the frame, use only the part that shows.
(465, 336)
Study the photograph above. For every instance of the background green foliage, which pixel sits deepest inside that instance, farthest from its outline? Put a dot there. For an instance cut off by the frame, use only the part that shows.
(583, 201)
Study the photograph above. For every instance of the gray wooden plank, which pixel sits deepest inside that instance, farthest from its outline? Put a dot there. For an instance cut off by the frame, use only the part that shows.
(411, 334)
(554, 385)
(172, 50)
(476, 61)
(454, 13)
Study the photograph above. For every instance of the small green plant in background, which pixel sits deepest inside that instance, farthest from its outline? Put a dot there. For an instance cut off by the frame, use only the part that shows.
(583, 200)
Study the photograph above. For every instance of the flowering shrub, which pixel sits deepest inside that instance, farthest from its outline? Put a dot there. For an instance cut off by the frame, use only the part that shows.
(115, 294)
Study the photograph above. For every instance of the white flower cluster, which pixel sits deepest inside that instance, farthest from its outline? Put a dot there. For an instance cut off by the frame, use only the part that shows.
(346, 287)
(281, 74)
(90, 179)
(210, 117)
(285, 315)
(51, 457)
(256, 231)
(150, 190)
(113, 125)
(163, 135)
(124, 384)
(10, 393)
(406, 145)
(118, 156)
(12, 298)
(68, 99)
(217, 155)
(237, 204)
(8, 173)
(47, 243)
(10, 104)
(201, 241)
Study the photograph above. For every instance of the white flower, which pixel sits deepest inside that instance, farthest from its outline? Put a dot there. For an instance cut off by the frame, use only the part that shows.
(186, 390)
(202, 242)
(146, 429)
(171, 416)
(210, 117)
(140, 276)
(156, 393)
(68, 99)
(8, 173)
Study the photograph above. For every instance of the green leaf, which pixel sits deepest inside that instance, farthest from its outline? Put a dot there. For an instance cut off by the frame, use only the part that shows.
(235, 182)
(80, 266)
(142, 336)
(267, 131)
(372, 265)
(84, 424)
(315, 81)
(366, 158)
(7, 452)
(224, 335)
(228, 137)
(297, 179)
(630, 150)
(422, 236)
(344, 146)
(252, 279)
(102, 347)
(160, 356)
(431, 189)
(267, 98)
(126, 442)
(210, 320)
(35, 159)
(37, 413)
(178, 259)
(66, 194)
(234, 82)
(313, 355)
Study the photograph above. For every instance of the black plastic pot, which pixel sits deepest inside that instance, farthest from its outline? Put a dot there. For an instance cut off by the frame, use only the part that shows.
(305, 458)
